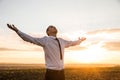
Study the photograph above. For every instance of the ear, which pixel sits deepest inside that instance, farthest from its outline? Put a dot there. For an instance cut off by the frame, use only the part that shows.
(47, 33)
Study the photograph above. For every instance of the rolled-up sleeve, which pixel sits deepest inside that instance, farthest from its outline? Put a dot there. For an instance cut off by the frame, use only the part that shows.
(28, 38)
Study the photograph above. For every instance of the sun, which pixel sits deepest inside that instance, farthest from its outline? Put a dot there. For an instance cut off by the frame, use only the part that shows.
(94, 54)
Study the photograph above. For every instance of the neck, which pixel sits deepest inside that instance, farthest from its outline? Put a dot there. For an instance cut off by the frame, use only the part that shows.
(54, 35)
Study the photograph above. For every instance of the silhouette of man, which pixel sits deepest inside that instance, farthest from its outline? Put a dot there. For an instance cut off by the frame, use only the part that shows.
(53, 48)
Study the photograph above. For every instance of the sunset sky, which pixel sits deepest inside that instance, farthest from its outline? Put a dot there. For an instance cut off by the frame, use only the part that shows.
(97, 20)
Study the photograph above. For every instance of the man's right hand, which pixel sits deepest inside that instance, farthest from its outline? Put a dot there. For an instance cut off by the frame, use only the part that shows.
(12, 27)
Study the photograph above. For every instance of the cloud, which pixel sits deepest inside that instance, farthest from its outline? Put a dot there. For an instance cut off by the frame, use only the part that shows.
(112, 46)
(104, 35)
(108, 38)
(14, 49)
(10, 49)
(116, 30)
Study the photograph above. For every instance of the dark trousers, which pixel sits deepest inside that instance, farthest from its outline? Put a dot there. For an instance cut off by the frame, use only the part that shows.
(54, 75)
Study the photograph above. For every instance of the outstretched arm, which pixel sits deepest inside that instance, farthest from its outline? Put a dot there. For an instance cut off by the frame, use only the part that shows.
(78, 41)
(74, 43)
(26, 37)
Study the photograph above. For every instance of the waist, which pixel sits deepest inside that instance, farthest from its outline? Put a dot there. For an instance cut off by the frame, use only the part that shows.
(55, 65)
(57, 71)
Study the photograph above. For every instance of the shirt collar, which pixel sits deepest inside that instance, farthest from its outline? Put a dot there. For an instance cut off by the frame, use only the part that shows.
(52, 37)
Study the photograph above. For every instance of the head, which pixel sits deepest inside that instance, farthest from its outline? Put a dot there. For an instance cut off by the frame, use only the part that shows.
(51, 31)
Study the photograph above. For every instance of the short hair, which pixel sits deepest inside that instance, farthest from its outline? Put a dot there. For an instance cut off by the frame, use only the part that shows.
(48, 28)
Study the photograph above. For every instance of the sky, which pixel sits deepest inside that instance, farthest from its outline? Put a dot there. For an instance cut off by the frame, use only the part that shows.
(97, 20)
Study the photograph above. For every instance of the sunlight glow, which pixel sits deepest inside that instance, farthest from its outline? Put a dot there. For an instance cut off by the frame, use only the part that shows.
(94, 54)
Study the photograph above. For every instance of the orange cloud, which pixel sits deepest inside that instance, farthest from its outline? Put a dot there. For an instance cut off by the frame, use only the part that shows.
(9, 49)
(112, 46)
(104, 31)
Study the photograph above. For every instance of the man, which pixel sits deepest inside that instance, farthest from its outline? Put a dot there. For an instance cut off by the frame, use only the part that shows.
(53, 48)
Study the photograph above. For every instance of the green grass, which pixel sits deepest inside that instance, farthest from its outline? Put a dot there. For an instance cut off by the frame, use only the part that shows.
(79, 73)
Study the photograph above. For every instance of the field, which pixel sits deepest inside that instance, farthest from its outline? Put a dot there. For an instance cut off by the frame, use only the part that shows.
(34, 72)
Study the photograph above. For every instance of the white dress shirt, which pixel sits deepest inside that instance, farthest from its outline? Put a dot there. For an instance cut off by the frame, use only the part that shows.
(51, 49)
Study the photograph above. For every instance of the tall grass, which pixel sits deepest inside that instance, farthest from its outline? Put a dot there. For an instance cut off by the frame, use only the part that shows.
(81, 73)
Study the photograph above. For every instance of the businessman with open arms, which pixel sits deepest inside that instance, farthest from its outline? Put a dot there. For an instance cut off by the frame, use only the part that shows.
(53, 48)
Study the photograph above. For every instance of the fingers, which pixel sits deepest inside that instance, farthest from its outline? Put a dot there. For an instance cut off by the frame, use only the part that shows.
(83, 38)
(12, 27)
(9, 26)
